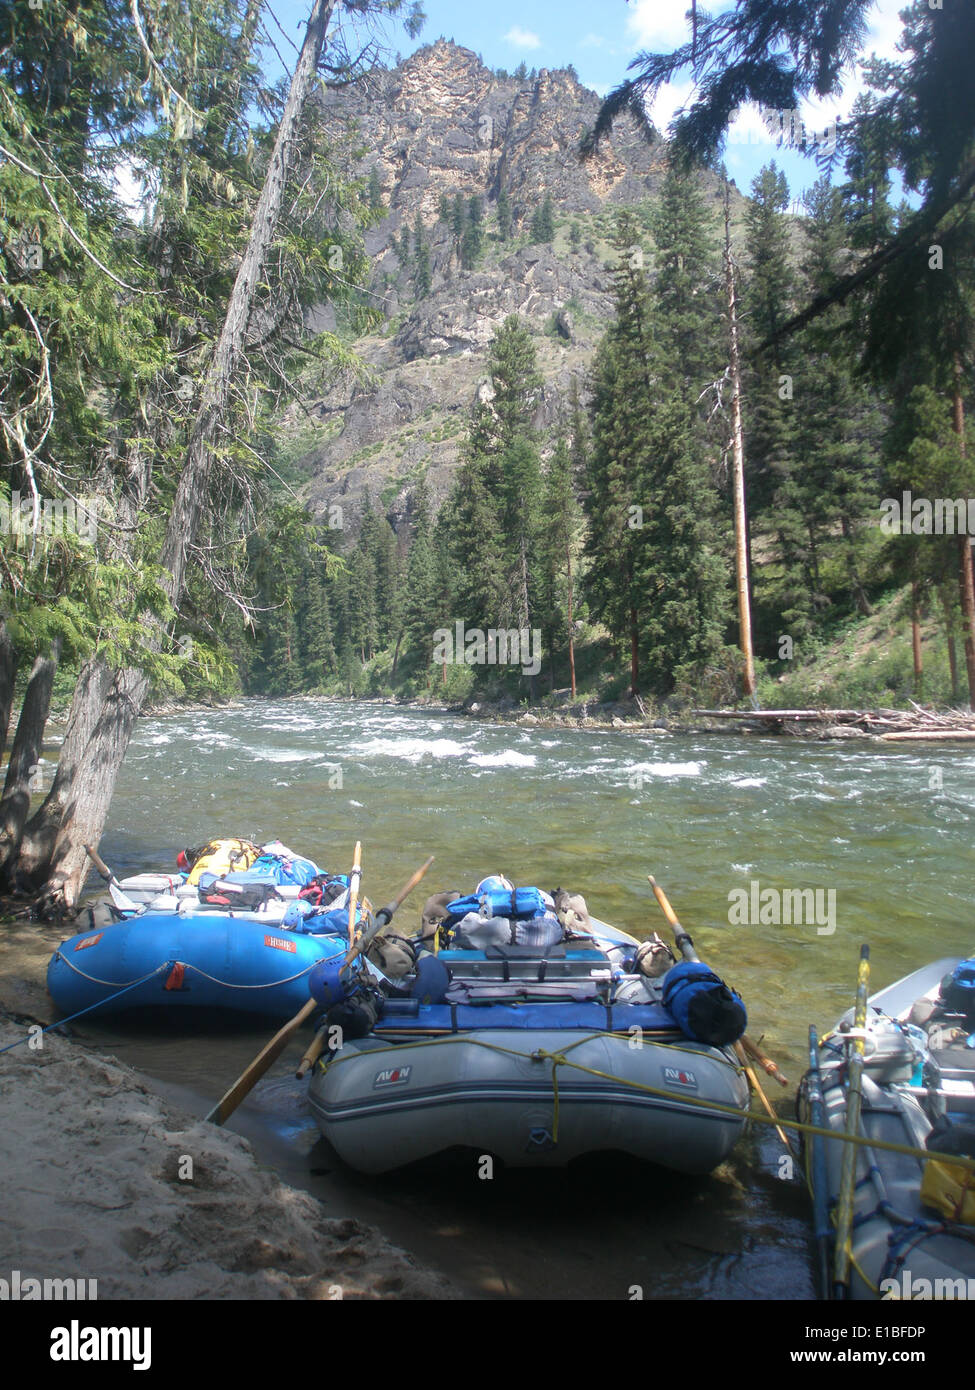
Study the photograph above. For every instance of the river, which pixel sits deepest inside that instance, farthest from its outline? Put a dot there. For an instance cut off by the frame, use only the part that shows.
(884, 834)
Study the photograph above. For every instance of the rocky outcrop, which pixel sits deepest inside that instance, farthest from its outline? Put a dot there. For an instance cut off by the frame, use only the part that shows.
(442, 123)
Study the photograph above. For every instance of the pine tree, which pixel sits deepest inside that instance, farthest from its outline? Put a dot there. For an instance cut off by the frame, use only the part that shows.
(687, 288)
(318, 648)
(376, 203)
(420, 609)
(422, 275)
(770, 383)
(837, 482)
(493, 511)
(557, 564)
(504, 216)
(543, 221)
(624, 386)
(656, 578)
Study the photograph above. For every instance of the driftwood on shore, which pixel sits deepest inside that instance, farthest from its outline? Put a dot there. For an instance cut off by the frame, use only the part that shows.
(891, 725)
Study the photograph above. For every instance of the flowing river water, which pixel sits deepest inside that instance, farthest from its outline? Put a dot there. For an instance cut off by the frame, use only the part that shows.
(884, 834)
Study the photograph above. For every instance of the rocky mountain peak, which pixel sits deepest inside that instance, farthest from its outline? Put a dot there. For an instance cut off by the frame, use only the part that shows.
(440, 124)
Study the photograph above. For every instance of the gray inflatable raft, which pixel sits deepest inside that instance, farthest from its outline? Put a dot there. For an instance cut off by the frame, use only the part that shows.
(899, 1248)
(540, 1082)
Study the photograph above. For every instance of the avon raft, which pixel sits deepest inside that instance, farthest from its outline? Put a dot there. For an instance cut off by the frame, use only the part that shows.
(516, 1025)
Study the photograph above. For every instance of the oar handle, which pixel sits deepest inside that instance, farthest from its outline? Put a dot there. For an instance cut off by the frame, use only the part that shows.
(100, 864)
(384, 915)
(355, 879)
(682, 938)
(315, 1049)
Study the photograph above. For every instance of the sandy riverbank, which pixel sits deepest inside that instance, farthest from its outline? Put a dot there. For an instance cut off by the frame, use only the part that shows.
(105, 1180)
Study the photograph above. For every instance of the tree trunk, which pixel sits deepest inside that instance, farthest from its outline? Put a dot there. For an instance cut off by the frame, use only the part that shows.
(634, 654)
(191, 491)
(88, 794)
(738, 443)
(25, 757)
(8, 677)
(916, 641)
(572, 642)
(950, 640)
(966, 579)
(41, 832)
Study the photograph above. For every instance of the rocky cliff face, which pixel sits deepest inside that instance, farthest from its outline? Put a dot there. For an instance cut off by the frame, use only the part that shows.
(443, 123)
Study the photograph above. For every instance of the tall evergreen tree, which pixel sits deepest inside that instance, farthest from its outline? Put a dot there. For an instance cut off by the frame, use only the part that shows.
(558, 583)
(422, 275)
(656, 578)
(504, 215)
(687, 288)
(421, 604)
(543, 221)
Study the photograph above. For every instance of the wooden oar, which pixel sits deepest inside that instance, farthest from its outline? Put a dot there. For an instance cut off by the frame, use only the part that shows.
(384, 915)
(764, 1062)
(268, 1054)
(756, 1086)
(682, 939)
(119, 897)
(314, 1051)
(686, 947)
(355, 879)
(248, 1079)
(854, 1072)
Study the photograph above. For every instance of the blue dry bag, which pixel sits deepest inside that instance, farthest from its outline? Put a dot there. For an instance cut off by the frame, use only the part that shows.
(702, 1005)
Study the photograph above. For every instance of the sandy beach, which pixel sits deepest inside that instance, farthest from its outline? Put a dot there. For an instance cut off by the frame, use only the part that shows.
(104, 1180)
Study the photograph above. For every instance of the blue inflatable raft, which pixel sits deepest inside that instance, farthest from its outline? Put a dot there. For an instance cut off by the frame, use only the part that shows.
(212, 961)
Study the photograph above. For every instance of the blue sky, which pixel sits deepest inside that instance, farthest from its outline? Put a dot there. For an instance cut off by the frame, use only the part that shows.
(600, 41)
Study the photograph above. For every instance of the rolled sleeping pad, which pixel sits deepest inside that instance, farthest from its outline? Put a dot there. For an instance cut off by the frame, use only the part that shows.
(703, 1006)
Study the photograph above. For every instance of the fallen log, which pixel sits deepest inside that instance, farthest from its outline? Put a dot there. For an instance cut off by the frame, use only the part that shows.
(824, 715)
(930, 735)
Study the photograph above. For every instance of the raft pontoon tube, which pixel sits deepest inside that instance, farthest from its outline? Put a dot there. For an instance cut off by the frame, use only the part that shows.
(210, 961)
(533, 1079)
(900, 1247)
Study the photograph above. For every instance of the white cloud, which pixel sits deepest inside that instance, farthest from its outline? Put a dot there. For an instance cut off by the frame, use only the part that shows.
(658, 25)
(885, 29)
(522, 38)
(668, 102)
(592, 41)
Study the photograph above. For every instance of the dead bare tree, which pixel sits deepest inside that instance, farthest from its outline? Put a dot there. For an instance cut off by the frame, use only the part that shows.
(77, 815)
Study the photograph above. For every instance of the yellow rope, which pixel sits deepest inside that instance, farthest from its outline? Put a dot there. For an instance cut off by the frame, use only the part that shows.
(712, 1106)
